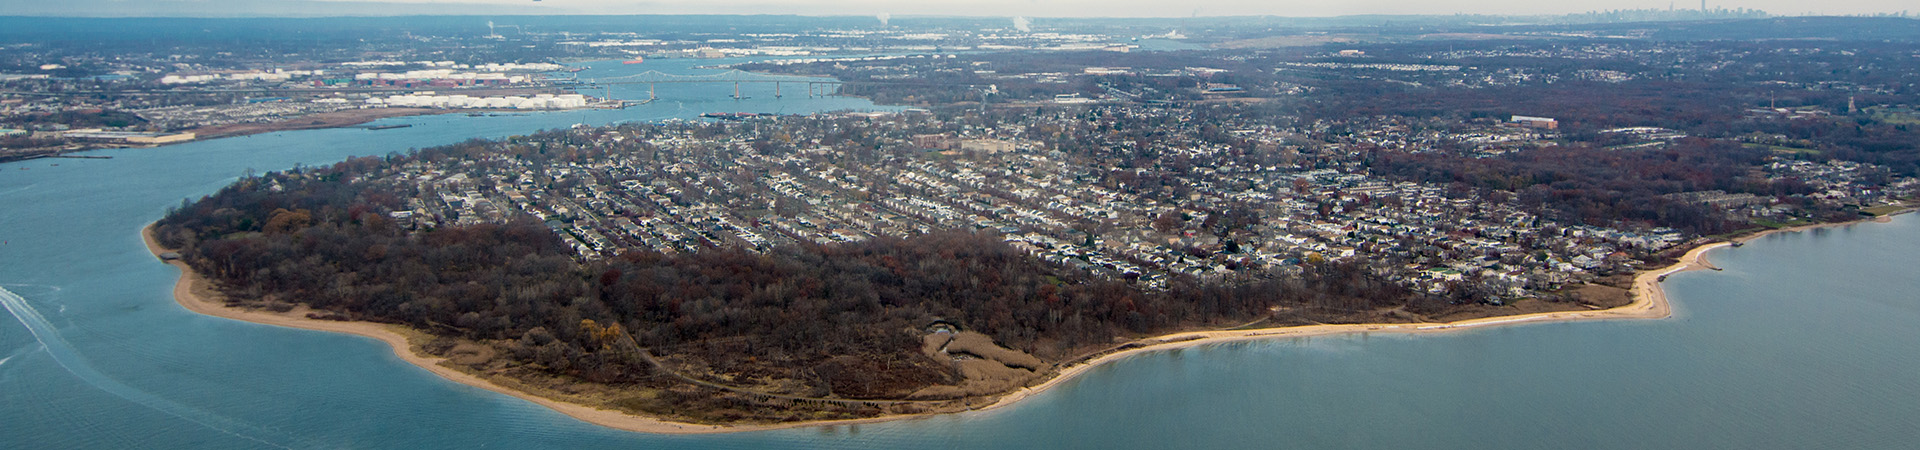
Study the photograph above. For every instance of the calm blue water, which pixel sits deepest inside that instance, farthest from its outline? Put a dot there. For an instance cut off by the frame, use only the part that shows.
(1806, 340)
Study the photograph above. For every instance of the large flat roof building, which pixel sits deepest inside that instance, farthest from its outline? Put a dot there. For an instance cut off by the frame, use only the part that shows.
(1536, 122)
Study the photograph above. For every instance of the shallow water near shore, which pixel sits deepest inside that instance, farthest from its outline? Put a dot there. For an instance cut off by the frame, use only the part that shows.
(1803, 340)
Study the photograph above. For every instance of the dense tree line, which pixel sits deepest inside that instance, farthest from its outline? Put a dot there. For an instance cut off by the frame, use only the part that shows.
(843, 319)
(75, 119)
(1603, 186)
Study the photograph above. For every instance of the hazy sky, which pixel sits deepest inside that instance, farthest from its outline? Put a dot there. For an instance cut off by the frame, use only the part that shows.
(1030, 8)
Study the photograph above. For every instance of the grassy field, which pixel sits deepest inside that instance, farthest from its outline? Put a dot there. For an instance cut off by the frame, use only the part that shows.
(1778, 224)
(1783, 149)
(1897, 116)
(1883, 209)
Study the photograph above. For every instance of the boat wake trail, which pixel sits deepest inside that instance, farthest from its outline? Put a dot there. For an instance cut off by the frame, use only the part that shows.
(24, 349)
(70, 359)
(11, 191)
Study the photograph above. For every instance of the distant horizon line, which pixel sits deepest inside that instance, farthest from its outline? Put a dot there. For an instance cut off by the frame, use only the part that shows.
(1890, 14)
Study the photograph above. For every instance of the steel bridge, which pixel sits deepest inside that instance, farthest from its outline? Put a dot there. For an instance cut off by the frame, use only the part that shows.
(816, 86)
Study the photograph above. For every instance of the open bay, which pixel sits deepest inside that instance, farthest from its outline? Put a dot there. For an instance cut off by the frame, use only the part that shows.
(1805, 340)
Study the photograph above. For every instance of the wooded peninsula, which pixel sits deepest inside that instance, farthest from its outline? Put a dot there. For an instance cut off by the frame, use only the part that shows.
(763, 312)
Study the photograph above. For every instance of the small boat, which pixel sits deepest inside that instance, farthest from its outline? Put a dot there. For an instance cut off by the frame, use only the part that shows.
(389, 127)
(635, 60)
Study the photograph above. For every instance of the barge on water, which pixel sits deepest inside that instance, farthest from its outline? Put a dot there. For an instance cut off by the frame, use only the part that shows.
(731, 116)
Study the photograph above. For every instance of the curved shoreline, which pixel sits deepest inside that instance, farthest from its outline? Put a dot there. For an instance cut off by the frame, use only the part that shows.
(1649, 302)
(190, 287)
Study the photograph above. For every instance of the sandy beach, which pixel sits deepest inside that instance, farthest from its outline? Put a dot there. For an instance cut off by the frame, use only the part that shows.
(1649, 302)
(196, 294)
(1881, 219)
